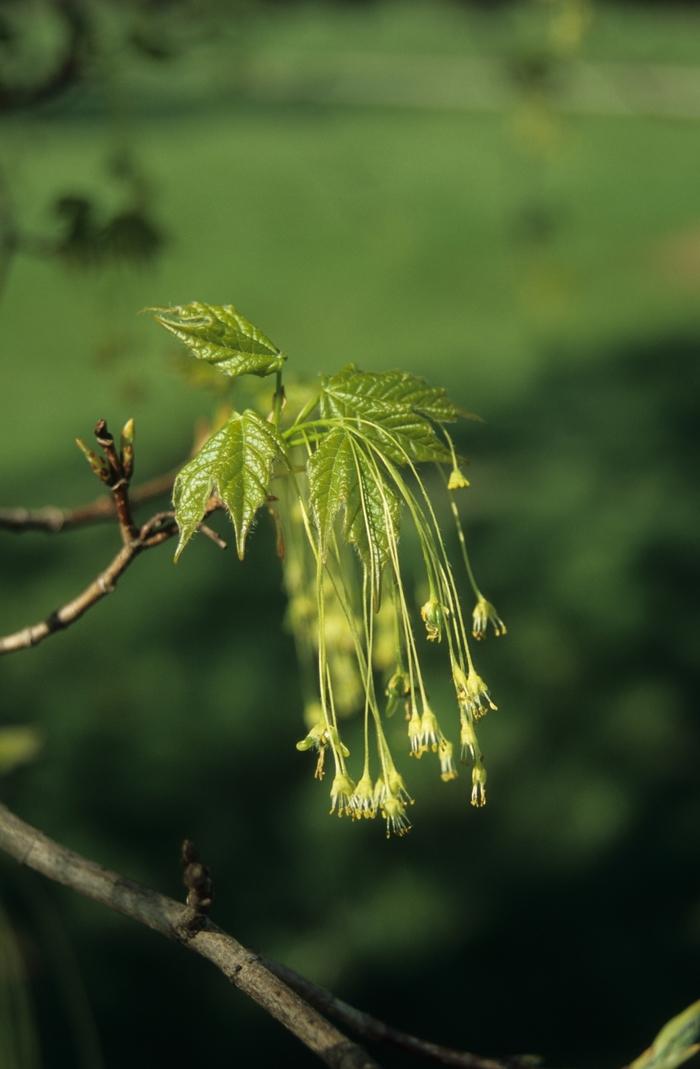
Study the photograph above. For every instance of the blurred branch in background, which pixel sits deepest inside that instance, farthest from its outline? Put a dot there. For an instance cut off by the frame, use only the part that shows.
(68, 45)
(18, 1032)
(88, 233)
(65, 68)
(62, 43)
(43, 942)
(52, 520)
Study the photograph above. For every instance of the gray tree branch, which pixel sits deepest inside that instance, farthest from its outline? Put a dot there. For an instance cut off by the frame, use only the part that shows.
(150, 535)
(244, 969)
(114, 468)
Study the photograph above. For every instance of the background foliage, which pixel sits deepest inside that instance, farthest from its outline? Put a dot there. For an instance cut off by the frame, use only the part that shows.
(379, 183)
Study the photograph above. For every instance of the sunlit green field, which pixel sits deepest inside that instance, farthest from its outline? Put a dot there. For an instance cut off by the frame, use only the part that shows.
(543, 264)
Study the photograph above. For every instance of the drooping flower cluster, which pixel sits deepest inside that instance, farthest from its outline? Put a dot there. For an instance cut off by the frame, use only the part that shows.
(353, 619)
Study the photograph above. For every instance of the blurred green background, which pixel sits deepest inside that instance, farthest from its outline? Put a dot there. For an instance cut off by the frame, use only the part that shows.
(501, 197)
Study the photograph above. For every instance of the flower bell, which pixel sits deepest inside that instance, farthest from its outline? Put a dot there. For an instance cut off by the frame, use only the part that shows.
(484, 614)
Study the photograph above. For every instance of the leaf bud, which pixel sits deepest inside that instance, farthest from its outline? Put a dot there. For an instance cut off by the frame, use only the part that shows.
(127, 448)
(97, 464)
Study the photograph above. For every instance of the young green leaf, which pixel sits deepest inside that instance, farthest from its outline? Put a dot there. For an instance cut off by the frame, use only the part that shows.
(236, 463)
(393, 409)
(222, 337)
(401, 388)
(675, 1044)
(342, 473)
(331, 473)
(372, 513)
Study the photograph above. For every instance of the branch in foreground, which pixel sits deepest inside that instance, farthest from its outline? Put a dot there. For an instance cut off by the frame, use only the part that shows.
(51, 520)
(244, 969)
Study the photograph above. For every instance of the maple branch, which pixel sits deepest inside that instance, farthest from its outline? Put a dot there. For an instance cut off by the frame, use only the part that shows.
(52, 520)
(150, 535)
(114, 468)
(241, 967)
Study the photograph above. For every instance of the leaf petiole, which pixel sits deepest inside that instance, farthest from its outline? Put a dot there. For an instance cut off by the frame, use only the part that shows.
(306, 410)
(301, 428)
(278, 398)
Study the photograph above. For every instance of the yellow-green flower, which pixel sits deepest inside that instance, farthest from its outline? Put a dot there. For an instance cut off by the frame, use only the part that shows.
(484, 614)
(467, 736)
(457, 481)
(398, 689)
(472, 692)
(394, 813)
(447, 765)
(317, 739)
(342, 790)
(320, 737)
(415, 734)
(430, 734)
(396, 787)
(478, 785)
(362, 802)
(433, 615)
